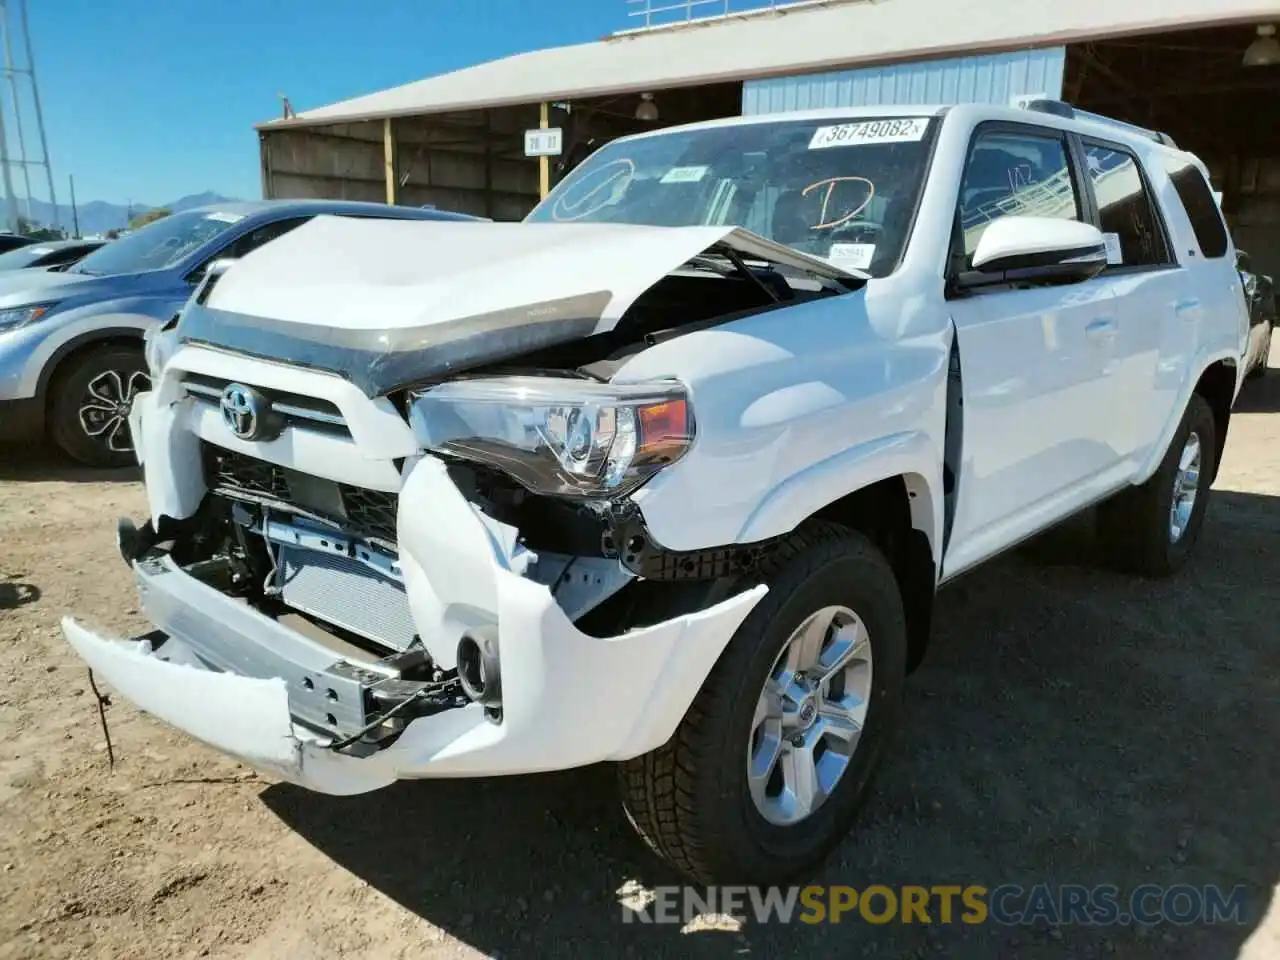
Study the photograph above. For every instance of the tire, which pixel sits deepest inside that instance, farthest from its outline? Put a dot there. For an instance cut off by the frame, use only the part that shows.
(88, 405)
(690, 799)
(1137, 527)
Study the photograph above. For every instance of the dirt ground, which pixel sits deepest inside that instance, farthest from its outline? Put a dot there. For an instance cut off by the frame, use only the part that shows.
(1070, 725)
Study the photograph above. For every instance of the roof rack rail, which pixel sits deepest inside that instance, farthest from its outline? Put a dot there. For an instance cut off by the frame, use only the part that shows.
(1060, 108)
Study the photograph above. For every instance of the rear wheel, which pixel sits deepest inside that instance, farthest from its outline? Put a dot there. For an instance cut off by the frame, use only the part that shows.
(1152, 529)
(766, 771)
(89, 405)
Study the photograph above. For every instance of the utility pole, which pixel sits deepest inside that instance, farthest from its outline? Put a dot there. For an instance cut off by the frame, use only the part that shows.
(17, 116)
(75, 215)
(35, 96)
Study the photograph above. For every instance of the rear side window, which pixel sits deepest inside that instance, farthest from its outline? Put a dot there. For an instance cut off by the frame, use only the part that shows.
(1124, 208)
(1197, 198)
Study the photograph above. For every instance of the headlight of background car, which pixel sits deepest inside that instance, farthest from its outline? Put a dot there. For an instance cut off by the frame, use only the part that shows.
(556, 435)
(16, 317)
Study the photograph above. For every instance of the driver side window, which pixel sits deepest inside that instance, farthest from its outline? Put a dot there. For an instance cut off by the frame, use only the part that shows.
(1011, 173)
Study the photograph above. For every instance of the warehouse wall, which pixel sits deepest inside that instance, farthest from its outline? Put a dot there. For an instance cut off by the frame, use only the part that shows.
(470, 163)
(993, 78)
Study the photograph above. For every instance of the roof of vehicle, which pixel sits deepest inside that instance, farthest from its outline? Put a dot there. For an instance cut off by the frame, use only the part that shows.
(312, 207)
(777, 41)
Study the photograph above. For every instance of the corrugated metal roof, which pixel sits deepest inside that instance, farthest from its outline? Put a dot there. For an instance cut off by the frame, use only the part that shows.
(986, 78)
(783, 42)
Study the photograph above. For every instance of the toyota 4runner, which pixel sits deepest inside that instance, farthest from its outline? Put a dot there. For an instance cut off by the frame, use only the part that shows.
(669, 473)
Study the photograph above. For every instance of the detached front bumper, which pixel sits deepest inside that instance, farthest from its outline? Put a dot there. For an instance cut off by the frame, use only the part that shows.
(237, 679)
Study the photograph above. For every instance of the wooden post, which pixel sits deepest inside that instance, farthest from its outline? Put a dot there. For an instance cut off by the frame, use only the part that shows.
(389, 158)
(544, 163)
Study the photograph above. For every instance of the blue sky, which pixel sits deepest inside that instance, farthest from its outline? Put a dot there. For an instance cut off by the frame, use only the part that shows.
(148, 100)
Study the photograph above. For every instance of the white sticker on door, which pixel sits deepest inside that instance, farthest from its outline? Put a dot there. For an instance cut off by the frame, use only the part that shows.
(852, 256)
(1115, 255)
(684, 175)
(870, 131)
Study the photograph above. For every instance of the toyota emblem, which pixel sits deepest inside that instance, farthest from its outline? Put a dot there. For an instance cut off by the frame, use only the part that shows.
(242, 410)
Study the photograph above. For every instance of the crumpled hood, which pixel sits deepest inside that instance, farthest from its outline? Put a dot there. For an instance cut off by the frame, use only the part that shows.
(388, 274)
(383, 302)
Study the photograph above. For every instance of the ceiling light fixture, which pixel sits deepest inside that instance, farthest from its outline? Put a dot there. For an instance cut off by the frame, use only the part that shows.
(648, 110)
(1265, 50)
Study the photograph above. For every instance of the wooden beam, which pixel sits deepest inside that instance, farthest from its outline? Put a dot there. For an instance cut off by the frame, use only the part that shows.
(544, 162)
(389, 159)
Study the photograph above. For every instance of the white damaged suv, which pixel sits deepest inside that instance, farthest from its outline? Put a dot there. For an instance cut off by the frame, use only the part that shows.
(669, 474)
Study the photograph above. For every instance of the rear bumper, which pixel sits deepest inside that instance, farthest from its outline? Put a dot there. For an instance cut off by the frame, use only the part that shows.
(236, 679)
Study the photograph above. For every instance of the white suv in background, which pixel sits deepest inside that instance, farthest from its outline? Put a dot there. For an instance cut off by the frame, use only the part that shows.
(669, 474)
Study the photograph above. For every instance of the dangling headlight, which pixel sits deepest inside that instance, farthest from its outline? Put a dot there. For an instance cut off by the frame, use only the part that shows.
(556, 435)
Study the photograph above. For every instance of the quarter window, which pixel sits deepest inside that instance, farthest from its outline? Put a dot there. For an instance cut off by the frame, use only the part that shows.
(1197, 198)
(1124, 208)
(1014, 174)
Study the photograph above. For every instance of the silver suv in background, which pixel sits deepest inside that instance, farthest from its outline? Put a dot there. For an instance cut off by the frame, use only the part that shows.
(71, 343)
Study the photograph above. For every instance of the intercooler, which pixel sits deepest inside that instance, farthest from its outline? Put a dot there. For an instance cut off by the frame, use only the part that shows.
(345, 592)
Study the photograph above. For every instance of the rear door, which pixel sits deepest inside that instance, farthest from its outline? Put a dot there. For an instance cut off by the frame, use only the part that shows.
(1149, 288)
(1034, 361)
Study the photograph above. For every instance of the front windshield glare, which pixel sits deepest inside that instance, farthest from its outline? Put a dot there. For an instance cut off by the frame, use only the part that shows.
(158, 245)
(844, 190)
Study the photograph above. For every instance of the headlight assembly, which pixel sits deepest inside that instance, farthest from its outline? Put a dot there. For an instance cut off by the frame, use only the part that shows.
(15, 317)
(555, 435)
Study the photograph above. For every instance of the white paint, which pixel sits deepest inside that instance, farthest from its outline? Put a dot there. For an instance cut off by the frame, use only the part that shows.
(889, 130)
(374, 274)
(543, 142)
(1029, 236)
(1070, 393)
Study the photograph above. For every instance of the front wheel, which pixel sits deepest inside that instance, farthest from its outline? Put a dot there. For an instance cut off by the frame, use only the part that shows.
(1150, 530)
(89, 405)
(766, 771)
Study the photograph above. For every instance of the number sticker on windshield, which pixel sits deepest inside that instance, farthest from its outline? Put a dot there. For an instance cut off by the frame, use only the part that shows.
(855, 255)
(225, 217)
(684, 175)
(870, 131)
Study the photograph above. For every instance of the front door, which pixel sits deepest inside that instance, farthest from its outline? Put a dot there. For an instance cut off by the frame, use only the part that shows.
(1035, 363)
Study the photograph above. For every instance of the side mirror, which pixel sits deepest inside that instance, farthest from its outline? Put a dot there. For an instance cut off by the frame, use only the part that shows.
(1042, 250)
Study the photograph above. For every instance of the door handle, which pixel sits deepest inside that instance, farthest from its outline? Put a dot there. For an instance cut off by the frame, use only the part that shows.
(1187, 309)
(1101, 330)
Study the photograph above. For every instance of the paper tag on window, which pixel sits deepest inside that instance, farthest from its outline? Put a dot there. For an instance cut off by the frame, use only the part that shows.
(684, 175)
(225, 217)
(1115, 255)
(870, 131)
(856, 256)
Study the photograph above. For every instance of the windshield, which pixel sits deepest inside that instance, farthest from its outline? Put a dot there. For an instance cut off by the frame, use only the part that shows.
(159, 244)
(23, 256)
(844, 190)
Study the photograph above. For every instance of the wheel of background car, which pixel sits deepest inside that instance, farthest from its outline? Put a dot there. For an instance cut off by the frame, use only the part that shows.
(1151, 530)
(89, 405)
(766, 771)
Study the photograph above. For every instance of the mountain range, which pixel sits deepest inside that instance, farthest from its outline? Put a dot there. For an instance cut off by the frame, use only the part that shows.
(98, 216)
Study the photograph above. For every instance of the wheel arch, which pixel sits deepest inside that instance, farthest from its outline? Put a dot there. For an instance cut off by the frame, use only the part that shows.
(1217, 384)
(68, 353)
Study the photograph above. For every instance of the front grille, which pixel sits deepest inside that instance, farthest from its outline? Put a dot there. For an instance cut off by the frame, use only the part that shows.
(293, 409)
(371, 513)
